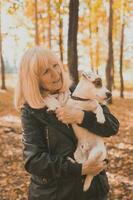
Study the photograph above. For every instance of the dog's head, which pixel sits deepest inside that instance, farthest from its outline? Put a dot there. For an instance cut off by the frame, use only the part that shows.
(95, 88)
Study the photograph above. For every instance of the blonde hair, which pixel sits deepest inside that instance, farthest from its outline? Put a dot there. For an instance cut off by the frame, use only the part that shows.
(32, 66)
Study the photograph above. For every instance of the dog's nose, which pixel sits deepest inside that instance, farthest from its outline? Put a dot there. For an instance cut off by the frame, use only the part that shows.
(108, 94)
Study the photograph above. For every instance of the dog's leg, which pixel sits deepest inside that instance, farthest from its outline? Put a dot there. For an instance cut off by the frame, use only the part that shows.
(99, 114)
(87, 182)
(98, 150)
(78, 155)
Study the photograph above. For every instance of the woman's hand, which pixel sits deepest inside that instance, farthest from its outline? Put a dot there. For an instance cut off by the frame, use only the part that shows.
(93, 167)
(69, 115)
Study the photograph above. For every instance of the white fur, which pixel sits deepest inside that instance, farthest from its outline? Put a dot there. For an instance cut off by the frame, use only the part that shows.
(89, 144)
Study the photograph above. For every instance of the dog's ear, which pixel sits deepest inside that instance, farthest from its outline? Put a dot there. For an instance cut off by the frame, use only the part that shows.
(86, 75)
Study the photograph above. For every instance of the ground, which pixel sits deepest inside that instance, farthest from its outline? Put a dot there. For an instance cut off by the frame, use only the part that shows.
(13, 178)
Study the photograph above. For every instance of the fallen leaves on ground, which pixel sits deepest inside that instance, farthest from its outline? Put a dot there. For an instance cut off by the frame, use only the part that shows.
(14, 180)
(120, 152)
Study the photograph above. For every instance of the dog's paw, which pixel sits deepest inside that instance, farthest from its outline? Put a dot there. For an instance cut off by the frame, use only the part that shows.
(101, 119)
(52, 108)
(52, 103)
(100, 116)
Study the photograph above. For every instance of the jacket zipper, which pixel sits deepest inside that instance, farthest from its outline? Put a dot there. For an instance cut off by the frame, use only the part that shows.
(48, 143)
(47, 137)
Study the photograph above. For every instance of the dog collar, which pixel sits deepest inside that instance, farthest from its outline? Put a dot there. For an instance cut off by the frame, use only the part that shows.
(79, 98)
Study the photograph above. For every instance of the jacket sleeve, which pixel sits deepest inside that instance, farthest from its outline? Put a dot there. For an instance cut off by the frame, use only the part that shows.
(109, 128)
(37, 160)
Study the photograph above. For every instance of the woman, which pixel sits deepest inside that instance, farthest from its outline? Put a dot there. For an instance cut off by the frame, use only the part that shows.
(48, 138)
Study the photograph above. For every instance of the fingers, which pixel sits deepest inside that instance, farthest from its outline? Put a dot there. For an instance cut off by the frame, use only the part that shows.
(94, 160)
(102, 166)
(97, 157)
(59, 113)
(65, 114)
(94, 169)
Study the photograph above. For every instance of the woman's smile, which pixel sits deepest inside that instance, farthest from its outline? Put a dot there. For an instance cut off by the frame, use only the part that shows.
(57, 84)
(51, 80)
(57, 81)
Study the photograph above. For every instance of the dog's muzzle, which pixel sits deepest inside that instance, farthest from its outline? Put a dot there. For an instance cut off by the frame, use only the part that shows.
(108, 95)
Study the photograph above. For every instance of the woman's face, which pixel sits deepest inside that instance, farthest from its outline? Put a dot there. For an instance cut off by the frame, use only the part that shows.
(51, 79)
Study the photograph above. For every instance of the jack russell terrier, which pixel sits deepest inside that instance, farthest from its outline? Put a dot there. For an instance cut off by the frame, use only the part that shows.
(89, 89)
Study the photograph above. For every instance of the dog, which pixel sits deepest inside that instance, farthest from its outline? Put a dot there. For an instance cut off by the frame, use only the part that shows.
(89, 89)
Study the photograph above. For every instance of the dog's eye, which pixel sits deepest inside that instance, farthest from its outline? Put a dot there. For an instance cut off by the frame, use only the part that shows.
(98, 83)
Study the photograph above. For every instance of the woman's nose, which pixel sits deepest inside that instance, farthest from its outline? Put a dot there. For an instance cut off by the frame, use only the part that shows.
(55, 74)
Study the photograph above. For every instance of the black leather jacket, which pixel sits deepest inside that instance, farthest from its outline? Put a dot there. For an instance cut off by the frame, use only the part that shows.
(47, 145)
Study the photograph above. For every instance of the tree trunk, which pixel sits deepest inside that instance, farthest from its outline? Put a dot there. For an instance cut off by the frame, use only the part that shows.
(121, 62)
(72, 39)
(3, 85)
(110, 61)
(36, 24)
(113, 77)
(2, 66)
(90, 37)
(49, 24)
(97, 50)
(60, 32)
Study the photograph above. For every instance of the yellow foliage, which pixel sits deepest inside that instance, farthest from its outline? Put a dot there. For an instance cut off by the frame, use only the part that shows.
(86, 42)
(29, 8)
(116, 4)
(13, 8)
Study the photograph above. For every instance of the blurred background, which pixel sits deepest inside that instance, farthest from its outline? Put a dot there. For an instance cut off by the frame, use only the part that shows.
(92, 35)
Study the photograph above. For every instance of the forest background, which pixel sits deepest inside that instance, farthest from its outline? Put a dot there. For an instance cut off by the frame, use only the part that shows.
(87, 35)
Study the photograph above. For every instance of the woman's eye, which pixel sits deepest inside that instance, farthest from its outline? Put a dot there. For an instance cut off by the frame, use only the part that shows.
(55, 65)
(46, 71)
